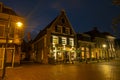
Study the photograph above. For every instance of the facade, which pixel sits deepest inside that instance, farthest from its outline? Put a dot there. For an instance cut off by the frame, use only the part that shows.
(110, 42)
(117, 47)
(85, 48)
(11, 35)
(104, 44)
(59, 43)
(56, 42)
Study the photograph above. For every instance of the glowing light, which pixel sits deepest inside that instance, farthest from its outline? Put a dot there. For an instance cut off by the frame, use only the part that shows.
(10, 41)
(64, 47)
(19, 24)
(55, 52)
(104, 45)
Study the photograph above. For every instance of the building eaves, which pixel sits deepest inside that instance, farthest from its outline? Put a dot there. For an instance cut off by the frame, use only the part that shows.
(107, 33)
(8, 10)
(95, 33)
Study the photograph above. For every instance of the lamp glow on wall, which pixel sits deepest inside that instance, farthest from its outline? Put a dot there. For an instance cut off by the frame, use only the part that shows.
(17, 39)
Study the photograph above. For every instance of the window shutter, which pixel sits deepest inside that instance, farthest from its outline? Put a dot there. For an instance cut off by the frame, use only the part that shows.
(67, 41)
(60, 40)
(51, 39)
(70, 31)
(55, 28)
(63, 29)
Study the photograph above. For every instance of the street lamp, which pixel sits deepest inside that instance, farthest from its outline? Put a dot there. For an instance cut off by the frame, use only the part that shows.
(104, 46)
(19, 24)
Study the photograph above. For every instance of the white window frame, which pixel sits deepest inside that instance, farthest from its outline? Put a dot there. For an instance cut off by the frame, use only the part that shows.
(64, 40)
(71, 41)
(55, 38)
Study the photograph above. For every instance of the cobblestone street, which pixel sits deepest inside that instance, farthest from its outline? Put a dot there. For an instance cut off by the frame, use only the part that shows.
(81, 71)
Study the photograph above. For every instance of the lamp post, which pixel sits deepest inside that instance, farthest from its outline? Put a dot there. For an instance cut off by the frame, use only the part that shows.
(19, 24)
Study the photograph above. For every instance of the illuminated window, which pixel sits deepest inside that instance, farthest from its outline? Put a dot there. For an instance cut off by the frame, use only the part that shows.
(2, 31)
(87, 49)
(83, 55)
(64, 40)
(71, 41)
(82, 48)
(55, 39)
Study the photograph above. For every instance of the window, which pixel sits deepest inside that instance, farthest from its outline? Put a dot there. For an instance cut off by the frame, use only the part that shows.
(67, 30)
(11, 31)
(55, 39)
(64, 41)
(87, 49)
(2, 31)
(71, 32)
(82, 48)
(58, 29)
(71, 41)
(63, 20)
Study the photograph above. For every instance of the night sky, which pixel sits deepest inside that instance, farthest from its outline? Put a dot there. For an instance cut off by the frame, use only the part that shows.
(83, 14)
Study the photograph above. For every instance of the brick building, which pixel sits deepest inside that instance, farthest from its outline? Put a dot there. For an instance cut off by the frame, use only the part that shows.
(10, 34)
(55, 42)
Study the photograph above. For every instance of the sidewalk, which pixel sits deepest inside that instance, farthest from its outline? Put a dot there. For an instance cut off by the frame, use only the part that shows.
(50, 72)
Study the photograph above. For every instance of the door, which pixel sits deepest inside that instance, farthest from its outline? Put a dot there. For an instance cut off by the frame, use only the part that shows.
(10, 57)
(2, 51)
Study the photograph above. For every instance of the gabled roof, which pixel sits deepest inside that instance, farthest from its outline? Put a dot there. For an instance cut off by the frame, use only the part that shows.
(44, 31)
(7, 10)
(84, 37)
(95, 33)
(107, 34)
